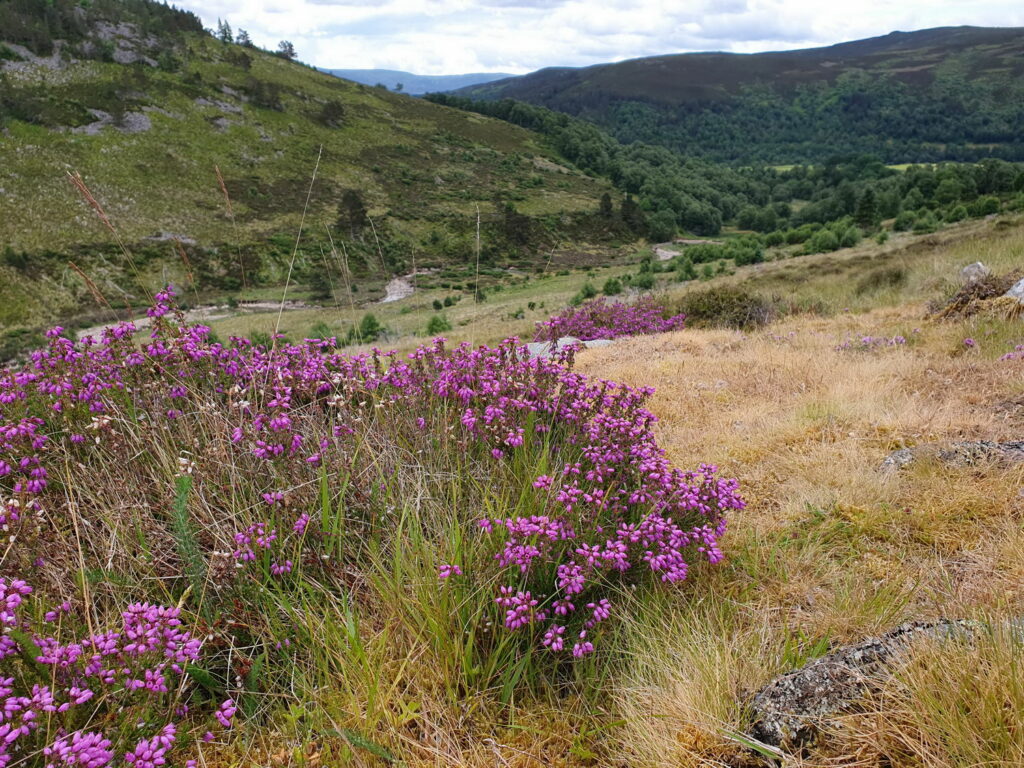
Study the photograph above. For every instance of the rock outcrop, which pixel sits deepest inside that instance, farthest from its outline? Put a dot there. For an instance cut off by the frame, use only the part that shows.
(792, 709)
(552, 348)
(959, 454)
(1016, 291)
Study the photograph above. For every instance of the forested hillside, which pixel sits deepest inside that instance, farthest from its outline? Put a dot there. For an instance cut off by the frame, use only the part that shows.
(666, 190)
(926, 96)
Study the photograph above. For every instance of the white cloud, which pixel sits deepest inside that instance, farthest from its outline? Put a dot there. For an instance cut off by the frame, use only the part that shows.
(454, 36)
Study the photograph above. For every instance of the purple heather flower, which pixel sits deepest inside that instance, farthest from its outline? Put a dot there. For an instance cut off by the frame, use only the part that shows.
(449, 570)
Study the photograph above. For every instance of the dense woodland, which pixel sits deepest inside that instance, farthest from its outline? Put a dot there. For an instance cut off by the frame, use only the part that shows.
(676, 192)
(955, 119)
(948, 94)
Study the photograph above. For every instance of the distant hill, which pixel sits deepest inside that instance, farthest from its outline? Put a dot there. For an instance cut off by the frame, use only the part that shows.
(416, 85)
(949, 93)
(167, 124)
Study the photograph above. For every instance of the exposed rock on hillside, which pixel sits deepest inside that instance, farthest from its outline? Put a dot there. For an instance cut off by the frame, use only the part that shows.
(967, 453)
(972, 273)
(1016, 291)
(792, 709)
(552, 348)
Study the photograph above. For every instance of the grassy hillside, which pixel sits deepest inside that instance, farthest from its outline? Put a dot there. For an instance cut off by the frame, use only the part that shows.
(206, 157)
(937, 94)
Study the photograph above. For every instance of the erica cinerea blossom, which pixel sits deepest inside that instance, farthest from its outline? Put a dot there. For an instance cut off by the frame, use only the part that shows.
(135, 664)
(600, 319)
(601, 505)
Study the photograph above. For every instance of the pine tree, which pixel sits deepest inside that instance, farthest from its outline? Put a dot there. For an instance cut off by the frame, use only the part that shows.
(867, 210)
(224, 33)
(352, 213)
(286, 50)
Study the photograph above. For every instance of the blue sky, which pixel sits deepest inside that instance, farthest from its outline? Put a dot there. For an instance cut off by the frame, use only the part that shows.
(433, 37)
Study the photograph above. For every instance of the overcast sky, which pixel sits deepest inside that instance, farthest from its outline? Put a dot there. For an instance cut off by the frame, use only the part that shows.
(435, 37)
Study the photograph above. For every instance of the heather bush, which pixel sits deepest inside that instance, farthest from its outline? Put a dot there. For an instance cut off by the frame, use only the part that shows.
(600, 319)
(97, 696)
(726, 306)
(864, 343)
(1016, 354)
(880, 279)
(284, 497)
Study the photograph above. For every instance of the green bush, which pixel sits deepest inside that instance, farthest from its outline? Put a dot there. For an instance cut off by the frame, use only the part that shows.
(925, 223)
(956, 213)
(369, 330)
(438, 305)
(823, 241)
(850, 237)
(643, 281)
(904, 222)
(685, 269)
(612, 287)
(984, 206)
(438, 324)
(321, 330)
(725, 306)
(588, 291)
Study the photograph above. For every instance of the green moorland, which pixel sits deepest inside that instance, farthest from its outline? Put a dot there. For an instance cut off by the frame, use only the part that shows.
(206, 157)
(938, 94)
(226, 552)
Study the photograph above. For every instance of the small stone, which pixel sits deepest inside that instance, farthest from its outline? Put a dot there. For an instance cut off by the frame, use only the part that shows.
(1016, 291)
(972, 273)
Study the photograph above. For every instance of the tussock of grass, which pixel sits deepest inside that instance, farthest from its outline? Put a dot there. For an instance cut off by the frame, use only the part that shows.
(830, 550)
(955, 702)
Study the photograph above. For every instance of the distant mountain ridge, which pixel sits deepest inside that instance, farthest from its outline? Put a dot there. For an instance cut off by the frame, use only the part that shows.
(945, 93)
(417, 85)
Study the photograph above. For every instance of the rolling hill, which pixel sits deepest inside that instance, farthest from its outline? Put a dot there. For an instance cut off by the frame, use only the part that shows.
(207, 157)
(951, 93)
(416, 85)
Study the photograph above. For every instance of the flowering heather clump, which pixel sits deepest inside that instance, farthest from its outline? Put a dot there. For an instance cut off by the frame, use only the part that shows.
(871, 342)
(230, 472)
(1017, 354)
(599, 319)
(52, 690)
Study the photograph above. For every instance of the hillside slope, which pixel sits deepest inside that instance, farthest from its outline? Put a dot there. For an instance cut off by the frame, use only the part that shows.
(202, 155)
(948, 93)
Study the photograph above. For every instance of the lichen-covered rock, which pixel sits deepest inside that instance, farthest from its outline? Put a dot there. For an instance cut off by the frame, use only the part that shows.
(960, 454)
(972, 273)
(792, 709)
(1016, 291)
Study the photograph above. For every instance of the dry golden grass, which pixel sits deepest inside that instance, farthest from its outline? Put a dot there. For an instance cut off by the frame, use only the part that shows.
(830, 549)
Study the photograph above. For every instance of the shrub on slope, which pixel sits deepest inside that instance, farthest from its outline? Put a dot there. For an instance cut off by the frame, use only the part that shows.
(600, 319)
(494, 500)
